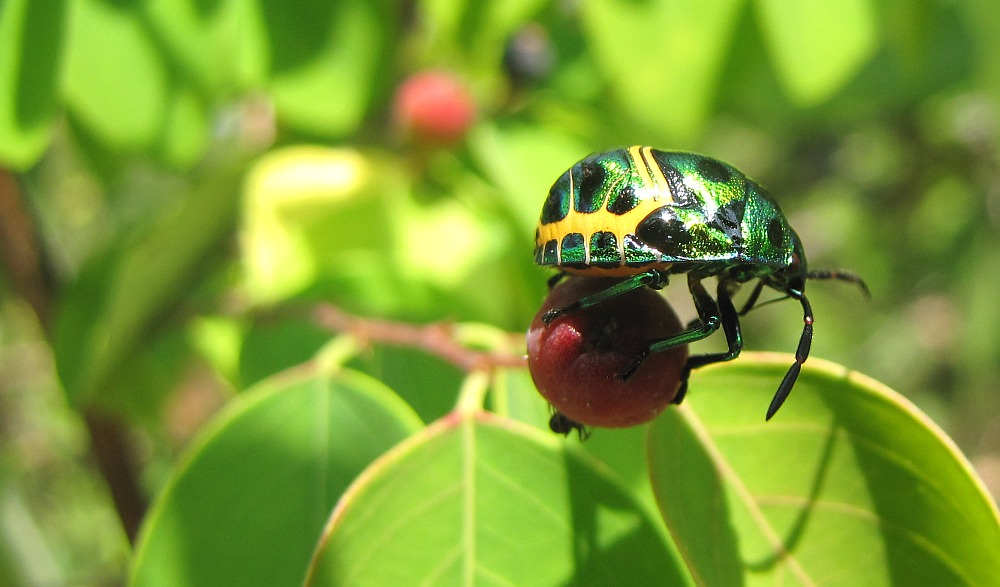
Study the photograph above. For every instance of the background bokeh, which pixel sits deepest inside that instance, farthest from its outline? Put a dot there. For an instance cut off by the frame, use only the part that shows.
(179, 176)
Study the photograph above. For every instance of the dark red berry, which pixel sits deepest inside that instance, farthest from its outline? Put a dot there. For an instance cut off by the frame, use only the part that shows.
(434, 107)
(577, 360)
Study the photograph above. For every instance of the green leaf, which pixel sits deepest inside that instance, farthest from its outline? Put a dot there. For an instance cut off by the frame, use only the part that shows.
(524, 161)
(209, 39)
(113, 306)
(849, 484)
(294, 196)
(186, 132)
(662, 59)
(249, 503)
(31, 51)
(271, 346)
(427, 383)
(477, 500)
(326, 60)
(116, 80)
(817, 45)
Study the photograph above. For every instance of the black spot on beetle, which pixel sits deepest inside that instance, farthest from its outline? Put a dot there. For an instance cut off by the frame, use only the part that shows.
(623, 201)
(590, 193)
(729, 219)
(556, 205)
(574, 251)
(714, 170)
(776, 233)
(662, 231)
(678, 189)
(550, 254)
(604, 250)
(637, 253)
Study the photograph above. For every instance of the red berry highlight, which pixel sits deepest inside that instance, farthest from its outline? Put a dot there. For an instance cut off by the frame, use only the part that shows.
(576, 361)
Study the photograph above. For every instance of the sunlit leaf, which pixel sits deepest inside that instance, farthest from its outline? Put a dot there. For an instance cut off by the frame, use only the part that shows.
(480, 501)
(817, 45)
(186, 132)
(345, 226)
(326, 60)
(524, 161)
(116, 81)
(848, 485)
(662, 59)
(251, 499)
(31, 42)
(306, 206)
(209, 40)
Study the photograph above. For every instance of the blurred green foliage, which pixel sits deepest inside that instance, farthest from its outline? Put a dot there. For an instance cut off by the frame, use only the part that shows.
(199, 169)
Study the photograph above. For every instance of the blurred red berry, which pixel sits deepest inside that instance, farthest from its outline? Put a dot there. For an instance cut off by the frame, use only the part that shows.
(577, 361)
(434, 107)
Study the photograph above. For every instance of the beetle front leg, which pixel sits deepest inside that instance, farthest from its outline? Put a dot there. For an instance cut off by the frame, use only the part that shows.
(651, 278)
(801, 354)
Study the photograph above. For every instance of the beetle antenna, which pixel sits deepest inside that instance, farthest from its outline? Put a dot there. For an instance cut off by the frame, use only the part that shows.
(841, 276)
(752, 299)
(801, 354)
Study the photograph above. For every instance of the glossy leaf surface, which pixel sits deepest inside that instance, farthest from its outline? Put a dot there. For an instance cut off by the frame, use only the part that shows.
(481, 501)
(250, 502)
(848, 485)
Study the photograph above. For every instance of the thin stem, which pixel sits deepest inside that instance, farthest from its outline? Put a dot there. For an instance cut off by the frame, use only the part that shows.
(437, 339)
(21, 252)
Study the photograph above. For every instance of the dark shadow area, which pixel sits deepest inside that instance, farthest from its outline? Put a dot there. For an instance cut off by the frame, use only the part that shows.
(695, 510)
(35, 102)
(641, 549)
(798, 528)
(296, 36)
(905, 505)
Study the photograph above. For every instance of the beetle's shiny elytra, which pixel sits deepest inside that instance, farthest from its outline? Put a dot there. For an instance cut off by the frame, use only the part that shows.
(643, 214)
(625, 211)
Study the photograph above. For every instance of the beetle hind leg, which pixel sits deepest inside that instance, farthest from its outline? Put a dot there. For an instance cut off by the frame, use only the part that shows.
(730, 320)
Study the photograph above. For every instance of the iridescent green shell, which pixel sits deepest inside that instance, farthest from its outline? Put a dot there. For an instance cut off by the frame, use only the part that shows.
(624, 211)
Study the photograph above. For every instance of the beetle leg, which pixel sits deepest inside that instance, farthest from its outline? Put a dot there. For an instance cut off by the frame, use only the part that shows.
(709, 320)
(801, 354)
(734, 338)
(652, 278)
(560, 423)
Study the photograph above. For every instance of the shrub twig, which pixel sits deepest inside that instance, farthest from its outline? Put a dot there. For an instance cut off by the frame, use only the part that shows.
(438, 339)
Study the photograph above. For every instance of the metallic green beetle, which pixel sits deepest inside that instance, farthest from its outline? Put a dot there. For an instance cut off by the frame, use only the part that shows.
(643, 214)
